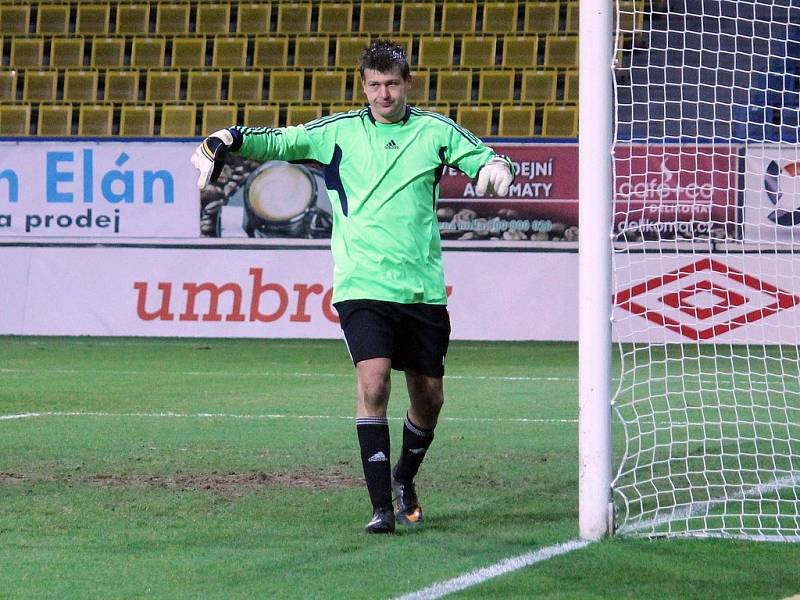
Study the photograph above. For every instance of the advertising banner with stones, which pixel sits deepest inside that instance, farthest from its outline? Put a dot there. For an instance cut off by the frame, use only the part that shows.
(278, 199)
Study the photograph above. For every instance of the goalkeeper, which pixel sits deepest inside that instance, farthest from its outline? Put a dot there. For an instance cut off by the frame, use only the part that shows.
(382, 169)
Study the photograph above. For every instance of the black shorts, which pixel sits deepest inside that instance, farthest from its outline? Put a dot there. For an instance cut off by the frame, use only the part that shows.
(413, 336)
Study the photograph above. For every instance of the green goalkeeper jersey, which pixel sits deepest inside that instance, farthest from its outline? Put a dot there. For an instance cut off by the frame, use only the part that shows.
(383, 182)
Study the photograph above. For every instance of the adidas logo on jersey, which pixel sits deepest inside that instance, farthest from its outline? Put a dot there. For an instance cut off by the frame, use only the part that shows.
(377, 457)
(392, 145)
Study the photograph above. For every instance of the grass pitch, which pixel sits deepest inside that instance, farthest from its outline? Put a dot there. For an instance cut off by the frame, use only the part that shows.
(159, 468)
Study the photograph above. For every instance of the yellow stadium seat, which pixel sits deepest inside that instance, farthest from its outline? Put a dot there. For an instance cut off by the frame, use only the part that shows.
(80, 85)
(459, 17)
(172, 17)
(188, 52)
(573, 17)
(420, 87)
(26, 53)
(478, 51)
(294, 17)
(417, 17)
(92, 18)
(178, 120)
(261, 115)
(405, 41)
(436, 51)
(95, 120)
(54, 120)
(517, 120)
(15, 119)
(133, 19)
(39, 86)
(376, 17)
(286, 85)
(348, 48)
(148, 51)
(328, 86)
(137, 120)
(335, 17)
(630, 17)
(539, 85)
(454, 86)
(341, 108)
(254, 18)
(475, 117)
(311, 51)
(496, 85)
(443, 108)
(121, 86)
(163, 86)
(358, 88)
(571, 85)
(246, 86)
(560, 121)
(298, 114)
(520, 51)
(8, 85)
(271, 51)
(108, 51)
(561, 51)
(15, 20)
(204, 86)
(66, 52)
(213, 18)
(229, 51)
(217, 116)
(542, 17)
(53, 19)
(500, 17)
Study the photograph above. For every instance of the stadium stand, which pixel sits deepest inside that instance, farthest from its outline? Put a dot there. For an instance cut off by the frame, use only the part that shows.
(152, 64)
(500, 17)
(137, 120)
(95, 120)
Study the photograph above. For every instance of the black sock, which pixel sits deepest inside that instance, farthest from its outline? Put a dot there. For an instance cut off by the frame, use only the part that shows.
(416, 441)
(373, 437)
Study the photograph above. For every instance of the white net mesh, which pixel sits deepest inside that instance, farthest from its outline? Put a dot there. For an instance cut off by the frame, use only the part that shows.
(707, 284)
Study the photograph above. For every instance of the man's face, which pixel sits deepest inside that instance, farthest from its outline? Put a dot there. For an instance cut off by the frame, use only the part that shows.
(386, 93)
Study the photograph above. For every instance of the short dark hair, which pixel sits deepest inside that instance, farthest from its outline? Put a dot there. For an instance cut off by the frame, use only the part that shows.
(384, 56)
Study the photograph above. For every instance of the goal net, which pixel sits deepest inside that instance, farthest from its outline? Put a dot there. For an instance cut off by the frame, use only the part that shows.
(705, 269)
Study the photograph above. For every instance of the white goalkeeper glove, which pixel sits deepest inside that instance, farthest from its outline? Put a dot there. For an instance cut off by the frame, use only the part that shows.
(495, 177)
(209, 157)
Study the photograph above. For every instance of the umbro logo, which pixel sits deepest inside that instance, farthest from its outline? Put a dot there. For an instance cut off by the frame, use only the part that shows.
(392, 145)
(377, 457)
(417, 450)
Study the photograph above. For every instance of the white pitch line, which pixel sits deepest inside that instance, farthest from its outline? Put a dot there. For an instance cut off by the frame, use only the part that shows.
(484, 574)
(272, 374)
(35, 415)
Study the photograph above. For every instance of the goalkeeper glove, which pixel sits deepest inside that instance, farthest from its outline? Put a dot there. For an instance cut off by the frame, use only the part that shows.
(209, 157)
(495, 177)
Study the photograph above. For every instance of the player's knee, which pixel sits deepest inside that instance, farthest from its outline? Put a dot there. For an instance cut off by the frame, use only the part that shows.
(428, 401)
(374, 389)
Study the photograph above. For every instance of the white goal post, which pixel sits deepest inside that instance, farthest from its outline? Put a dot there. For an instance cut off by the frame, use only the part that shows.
(689, 235)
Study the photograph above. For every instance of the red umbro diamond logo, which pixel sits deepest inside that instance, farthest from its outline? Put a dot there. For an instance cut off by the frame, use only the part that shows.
(709, 292)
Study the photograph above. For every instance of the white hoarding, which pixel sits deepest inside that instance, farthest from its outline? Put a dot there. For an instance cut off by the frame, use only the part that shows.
(270, 293)
(725, 298)
(98, 189)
